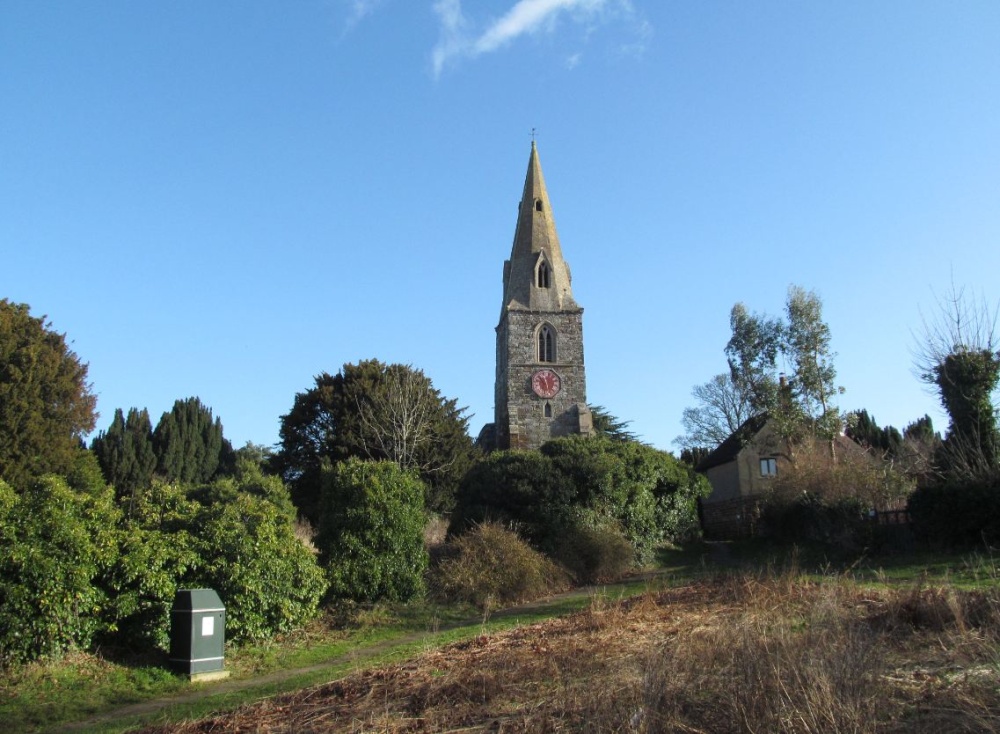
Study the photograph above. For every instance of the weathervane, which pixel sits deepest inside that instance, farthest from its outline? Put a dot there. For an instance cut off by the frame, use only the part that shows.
(532, 135)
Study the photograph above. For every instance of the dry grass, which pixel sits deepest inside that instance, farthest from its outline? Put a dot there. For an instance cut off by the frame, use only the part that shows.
(739, 655)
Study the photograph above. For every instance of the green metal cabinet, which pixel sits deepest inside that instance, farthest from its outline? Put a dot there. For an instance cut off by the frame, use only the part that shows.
(197, 632)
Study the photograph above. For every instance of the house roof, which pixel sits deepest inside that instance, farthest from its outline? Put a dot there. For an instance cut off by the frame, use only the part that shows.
(728, 449)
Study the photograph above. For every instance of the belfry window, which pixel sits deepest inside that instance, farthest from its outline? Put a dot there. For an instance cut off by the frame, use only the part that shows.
(544, 275)
(546, 344)
(548, 410)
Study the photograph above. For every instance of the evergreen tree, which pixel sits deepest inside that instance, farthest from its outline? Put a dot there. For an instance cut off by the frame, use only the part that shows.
(189, 444)
(125, 452)
(46, 403)
(378, 412)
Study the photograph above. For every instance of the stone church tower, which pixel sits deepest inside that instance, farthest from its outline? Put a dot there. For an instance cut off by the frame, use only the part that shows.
(541, 389)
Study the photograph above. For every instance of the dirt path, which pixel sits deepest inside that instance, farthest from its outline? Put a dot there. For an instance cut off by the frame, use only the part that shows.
(358, 655)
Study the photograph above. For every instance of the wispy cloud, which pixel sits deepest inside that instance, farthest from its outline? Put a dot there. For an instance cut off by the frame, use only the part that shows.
(524, 17)
(359, 9)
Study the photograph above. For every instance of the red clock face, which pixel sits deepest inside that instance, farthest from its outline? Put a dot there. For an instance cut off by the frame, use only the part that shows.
(545, 383)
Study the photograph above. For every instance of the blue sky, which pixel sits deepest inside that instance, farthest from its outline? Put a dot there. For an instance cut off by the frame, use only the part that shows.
(224, 199)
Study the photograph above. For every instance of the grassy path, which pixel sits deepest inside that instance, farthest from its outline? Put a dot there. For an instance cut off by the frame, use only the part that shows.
(204, 698)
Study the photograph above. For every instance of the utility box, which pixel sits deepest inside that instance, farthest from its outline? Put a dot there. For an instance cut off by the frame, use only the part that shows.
(198, 634)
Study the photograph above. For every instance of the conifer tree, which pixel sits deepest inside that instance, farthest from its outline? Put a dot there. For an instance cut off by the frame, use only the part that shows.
(125, 452)
(46, 405)
(189, 444)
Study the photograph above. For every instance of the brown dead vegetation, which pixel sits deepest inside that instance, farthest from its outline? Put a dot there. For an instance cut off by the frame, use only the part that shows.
(742, 654)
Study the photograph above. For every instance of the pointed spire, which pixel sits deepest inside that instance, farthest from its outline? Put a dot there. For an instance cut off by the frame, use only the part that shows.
(535, 239)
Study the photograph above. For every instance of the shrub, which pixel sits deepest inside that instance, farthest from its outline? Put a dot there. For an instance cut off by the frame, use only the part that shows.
(958, 514)
(268, 580)
(370, 534)
(841, 523)
(54, 543)
(645, 493)
(519, 489)
(491, 566)
(595, 553)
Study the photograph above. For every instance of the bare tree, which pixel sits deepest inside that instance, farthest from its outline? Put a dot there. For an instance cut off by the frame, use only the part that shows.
(722, 408)
(398, 420)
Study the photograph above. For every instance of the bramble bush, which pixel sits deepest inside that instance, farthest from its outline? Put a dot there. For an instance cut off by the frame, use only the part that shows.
(492, 566)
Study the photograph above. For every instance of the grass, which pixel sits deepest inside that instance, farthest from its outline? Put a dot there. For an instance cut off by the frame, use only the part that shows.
(50, 696)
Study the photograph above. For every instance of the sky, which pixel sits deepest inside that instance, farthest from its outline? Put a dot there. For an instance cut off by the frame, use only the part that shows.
(225, 199)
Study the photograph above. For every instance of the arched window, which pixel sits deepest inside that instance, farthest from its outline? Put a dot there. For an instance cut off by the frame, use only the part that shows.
(544, 275)
(548, 410)
(546, 344)
(538, 205)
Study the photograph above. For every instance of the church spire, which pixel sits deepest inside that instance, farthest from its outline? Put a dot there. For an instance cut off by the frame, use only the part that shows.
(535, 247)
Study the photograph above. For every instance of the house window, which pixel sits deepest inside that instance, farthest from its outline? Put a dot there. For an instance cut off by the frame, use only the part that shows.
(769, 467)
(543, 274)
(546, 344)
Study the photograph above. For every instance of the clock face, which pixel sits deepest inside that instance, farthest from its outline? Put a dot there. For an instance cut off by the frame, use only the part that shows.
(545, 383)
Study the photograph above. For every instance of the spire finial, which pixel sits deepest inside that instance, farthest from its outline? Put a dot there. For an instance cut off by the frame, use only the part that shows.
(533, 134)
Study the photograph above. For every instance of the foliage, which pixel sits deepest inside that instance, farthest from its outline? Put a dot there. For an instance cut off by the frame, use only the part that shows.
(189, 444)
(865, 431)
(958, 357)
(490, 566)
(609, 426)
(646, 493)
(840, 523)
(125, 452)
(244, 536)
(517, 489)
(370, 534)
(374, 411)
(595, 553)
(46, 404)
(55, 542)
(721, 409)
(801, 405)
(958, 513)
(807, 345)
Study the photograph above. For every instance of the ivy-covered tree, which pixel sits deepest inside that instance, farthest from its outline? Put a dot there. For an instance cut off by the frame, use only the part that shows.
(46, 403)
(189, 444)
(378, 412)
(959, 358)
(125, 452)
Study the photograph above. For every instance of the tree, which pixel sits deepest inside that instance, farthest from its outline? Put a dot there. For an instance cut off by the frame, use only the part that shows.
(807, 345)
(722, 408)
(802, 404)
(958, 356)
(864, 430)
(374, 411)
(610, 426)
(370, 535)
(189, 444)
(752, 354)
(125, 452)
(46, 403)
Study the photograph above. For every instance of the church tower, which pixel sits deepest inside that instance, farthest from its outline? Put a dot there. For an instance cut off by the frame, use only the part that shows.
(541, 389)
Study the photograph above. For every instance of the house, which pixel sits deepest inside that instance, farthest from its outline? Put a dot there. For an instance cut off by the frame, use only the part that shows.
(741, 470)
